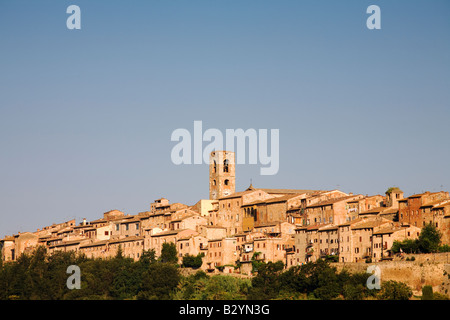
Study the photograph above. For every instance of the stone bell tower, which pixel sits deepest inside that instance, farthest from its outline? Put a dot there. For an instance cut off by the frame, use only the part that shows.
(221, 174)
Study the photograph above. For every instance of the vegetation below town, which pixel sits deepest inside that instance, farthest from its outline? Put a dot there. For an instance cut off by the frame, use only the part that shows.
(41, 276)
(429, 241)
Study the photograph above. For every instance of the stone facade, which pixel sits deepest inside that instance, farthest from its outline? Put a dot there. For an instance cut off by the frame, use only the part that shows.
(222, 180)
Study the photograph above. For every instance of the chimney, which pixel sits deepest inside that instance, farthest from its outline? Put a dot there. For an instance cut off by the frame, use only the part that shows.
(84, 221)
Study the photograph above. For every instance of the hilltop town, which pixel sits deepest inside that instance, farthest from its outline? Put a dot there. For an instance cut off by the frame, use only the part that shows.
(232, 228)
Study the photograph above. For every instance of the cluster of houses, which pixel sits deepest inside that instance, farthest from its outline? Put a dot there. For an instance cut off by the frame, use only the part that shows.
(232, 229)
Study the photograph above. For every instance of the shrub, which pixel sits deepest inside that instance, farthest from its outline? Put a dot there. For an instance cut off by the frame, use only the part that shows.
(195, 262)
(427, 293)
(394, 290)
(440, 296)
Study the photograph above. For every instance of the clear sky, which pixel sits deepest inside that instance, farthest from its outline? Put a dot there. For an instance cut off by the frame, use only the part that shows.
(86, 115)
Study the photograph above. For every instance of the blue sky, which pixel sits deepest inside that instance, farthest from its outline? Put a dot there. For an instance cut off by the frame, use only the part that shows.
(86, 115)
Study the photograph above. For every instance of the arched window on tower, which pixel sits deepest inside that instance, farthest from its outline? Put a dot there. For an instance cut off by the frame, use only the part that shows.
(225, 165)
(227, 182)
(215, 166)
(214, 182)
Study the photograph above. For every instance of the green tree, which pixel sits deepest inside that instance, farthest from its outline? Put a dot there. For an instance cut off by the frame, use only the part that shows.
(159, 282)
(293, 280)
(169, 253)
(354, 285)
(148, 257)
(440, 296)
(266, 284)
(429, 239)
(322, 280)
(222, 287)
(119, 253)
(427, 293)
(195, 262)
(127, 279)
(393, 290)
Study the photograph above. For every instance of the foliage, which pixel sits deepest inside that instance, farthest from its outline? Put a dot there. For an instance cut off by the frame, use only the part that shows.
(43, 276)
(444, 248)
(169, 253)
(159, 282)
(256, 263)
(391, 189)
(393, 290)
(332, 258)
(266, 284)
(195, 262)
(427, 293)
(428, 241)
(218, 287)
(316, 280)
(429, 238)
(440, 296)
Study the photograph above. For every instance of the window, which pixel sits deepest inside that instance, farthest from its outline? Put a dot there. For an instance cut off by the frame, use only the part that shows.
(225, 165)
(226, 182)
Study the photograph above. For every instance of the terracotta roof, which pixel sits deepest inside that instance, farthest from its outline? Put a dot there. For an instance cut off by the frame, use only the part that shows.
(273, 200)
(168, 233)
(443, 205)
(389, 229)
(317, 226)
(389, 211)
(350, 222)
(424, 193)
(288, 191)
(369, 224)
(264, 225)
(66, 243)
(433, 203)
(94, 244)
(327, 228)
(237, 194)
(331, 201)
(127, 239)
(373, 210)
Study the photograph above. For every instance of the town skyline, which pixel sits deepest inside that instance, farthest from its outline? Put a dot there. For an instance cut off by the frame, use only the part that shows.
(234, 232)
(93, 216)
(86, 115)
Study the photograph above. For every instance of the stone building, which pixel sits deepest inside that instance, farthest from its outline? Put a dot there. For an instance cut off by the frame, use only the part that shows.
(191, 245)
(221, 174)
(156, 241)
(441, 219)
(410, 208)
(221, 252)
(328, 211)
(355, 238)
(384, 238)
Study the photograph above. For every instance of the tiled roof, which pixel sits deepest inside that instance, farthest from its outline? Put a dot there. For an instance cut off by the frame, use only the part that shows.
(331, 201)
